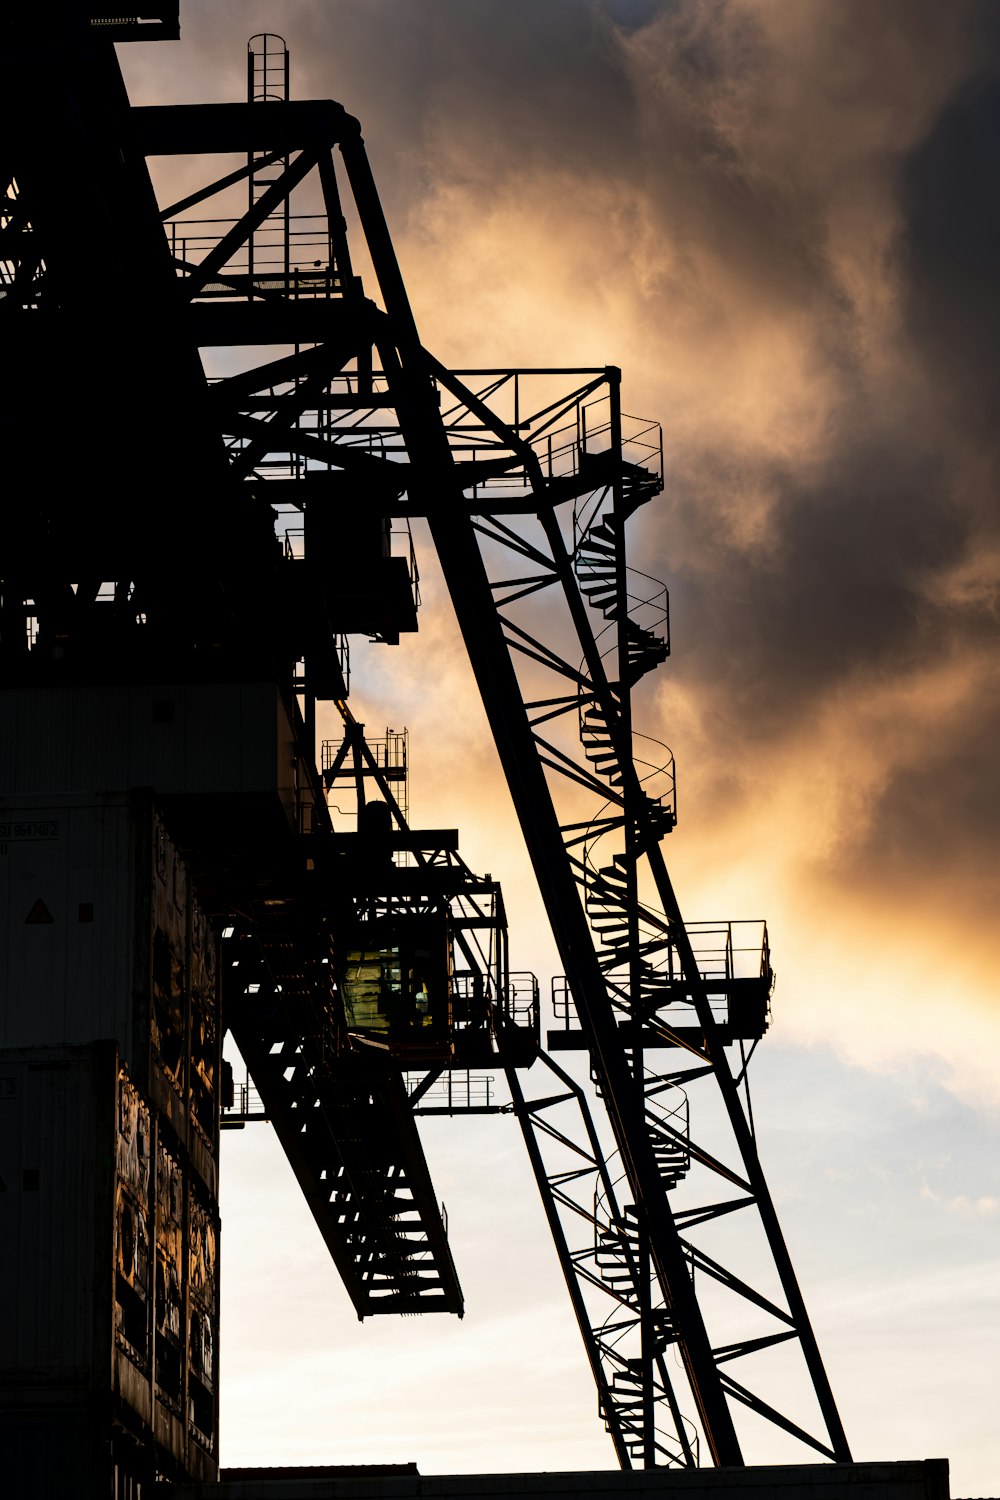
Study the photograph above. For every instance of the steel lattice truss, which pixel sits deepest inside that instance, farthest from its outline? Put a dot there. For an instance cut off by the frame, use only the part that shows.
(324, 411)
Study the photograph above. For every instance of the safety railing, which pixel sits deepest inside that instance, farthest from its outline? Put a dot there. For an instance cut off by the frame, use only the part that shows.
(564, 451)
(308, 271)
(247, 1106)
(726, 953)
(457, 1090)
(736, 949)
(520, 1001)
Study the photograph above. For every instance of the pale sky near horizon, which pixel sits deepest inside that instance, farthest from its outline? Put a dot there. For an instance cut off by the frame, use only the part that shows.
(780, 220)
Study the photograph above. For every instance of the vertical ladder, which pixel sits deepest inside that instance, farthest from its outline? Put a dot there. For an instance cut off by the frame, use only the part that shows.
(269, 245)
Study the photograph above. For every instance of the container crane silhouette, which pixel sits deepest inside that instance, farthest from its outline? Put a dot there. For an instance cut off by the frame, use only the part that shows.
(249, 519)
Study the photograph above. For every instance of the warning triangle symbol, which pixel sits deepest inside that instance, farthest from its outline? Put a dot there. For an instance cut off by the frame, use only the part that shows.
(39, 913)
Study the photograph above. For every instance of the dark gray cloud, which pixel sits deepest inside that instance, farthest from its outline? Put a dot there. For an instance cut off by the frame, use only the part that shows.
(939, 823)
(898, 488)
(516, 86)
(837, 589)
(953, 253)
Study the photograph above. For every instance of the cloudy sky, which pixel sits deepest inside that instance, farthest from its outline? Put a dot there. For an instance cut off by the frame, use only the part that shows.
(780, 218)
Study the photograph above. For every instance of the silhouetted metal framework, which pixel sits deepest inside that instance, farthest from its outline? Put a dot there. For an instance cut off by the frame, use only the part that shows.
(323, 420)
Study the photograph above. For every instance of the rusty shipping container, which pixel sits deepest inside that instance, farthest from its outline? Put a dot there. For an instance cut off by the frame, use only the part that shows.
(109, 1228)
(109, 1286)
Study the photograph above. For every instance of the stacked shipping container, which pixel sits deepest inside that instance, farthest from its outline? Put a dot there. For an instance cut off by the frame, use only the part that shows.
(109, 1230)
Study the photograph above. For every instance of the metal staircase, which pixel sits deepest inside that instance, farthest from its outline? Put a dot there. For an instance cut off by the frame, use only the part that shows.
(643, 613)
(344, 1121)
(626, 1327)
